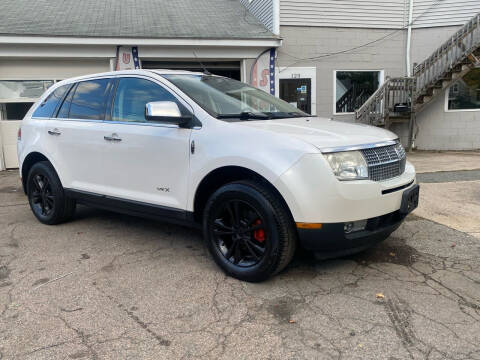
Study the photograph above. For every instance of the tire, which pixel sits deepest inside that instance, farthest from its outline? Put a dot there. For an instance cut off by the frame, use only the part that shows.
(46, 196)
(259, 242)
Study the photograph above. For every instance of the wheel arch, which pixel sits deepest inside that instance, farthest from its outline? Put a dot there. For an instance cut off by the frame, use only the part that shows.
(224, 175)
(30, 160)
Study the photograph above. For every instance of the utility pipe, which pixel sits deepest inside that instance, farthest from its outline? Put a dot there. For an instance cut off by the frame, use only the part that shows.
(409, 38)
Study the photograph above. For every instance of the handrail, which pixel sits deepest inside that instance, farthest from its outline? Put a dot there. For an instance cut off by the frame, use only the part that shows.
(372, 102)
(448, 55)
(392, 92)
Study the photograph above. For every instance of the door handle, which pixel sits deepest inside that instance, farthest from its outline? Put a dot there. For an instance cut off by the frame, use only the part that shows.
(55, 132)
(113, 137)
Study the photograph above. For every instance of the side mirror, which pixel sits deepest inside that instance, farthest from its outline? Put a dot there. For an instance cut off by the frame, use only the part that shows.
(165, 111)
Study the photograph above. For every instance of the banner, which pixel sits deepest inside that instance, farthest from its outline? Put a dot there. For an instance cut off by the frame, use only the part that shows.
(127, 58)
(263, 72)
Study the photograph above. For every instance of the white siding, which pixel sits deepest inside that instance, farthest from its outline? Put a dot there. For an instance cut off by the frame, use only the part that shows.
(262, 10)
(388, 14)
(430, 13)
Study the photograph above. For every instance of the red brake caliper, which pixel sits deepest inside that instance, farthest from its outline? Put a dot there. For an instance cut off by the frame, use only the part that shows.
(259, 234)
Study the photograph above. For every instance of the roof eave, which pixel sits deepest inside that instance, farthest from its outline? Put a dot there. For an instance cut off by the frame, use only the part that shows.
(179, 41)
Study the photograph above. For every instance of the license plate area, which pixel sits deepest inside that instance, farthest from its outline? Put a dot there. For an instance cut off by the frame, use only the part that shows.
(410, 199)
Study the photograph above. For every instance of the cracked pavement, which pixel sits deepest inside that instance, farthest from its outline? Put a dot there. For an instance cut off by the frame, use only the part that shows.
(108, 286)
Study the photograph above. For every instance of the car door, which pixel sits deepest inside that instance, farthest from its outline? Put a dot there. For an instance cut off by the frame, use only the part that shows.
(75, 135)
(145, 161)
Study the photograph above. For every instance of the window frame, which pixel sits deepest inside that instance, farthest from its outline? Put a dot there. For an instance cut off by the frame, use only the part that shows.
(447, 95)
(57, 107)
(74, 89)
(381, 81)
(110, 103)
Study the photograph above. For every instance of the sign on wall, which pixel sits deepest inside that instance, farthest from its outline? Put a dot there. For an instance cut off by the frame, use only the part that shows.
(263, 72)
(127, 58)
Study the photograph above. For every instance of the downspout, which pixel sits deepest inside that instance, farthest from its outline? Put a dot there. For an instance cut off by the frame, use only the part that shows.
(411, 140)
(276, 17)
(409, 38)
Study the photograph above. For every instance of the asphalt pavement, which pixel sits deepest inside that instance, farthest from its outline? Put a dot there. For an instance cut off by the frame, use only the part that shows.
(109, 286)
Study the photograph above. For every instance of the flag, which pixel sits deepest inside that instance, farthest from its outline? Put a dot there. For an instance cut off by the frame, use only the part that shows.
(127, 58)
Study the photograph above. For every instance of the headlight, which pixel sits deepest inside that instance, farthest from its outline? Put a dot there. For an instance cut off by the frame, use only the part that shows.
(348, 165)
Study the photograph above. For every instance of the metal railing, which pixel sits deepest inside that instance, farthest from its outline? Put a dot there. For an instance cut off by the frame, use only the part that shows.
(449, 55)
(394, 96)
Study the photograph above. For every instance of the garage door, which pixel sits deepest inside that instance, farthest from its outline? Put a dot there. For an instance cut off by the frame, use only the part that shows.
(8, 132)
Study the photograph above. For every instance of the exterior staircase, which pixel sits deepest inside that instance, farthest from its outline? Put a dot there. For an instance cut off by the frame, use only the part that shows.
(398, 100)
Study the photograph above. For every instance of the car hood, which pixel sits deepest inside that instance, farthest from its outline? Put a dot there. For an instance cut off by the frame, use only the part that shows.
(324, 133)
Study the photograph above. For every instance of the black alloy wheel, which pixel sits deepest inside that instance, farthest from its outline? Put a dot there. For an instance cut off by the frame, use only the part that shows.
(248, 230)
(46, 196)
(43, 200)
(239, 233)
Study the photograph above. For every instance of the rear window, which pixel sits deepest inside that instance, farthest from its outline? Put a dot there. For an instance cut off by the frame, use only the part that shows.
(89, 100)
(48, 106)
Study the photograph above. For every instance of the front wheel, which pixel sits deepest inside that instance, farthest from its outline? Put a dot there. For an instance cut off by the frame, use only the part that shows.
(45, 193)
(249, 231)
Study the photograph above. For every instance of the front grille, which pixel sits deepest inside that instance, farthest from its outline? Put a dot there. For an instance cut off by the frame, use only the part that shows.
(385, 162)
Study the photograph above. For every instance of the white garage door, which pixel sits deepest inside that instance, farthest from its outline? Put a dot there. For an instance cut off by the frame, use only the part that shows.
(8, 132)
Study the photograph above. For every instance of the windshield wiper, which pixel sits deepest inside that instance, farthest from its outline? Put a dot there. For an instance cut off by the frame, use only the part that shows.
(283, 115)
(244, 116)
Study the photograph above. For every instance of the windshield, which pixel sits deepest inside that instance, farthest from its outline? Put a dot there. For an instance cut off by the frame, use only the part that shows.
(226, 98)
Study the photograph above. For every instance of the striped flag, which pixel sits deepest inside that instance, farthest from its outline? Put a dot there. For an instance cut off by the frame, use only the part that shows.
(127, 58)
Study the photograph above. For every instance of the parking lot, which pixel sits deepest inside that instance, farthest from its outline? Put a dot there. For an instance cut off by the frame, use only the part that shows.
(108, 286)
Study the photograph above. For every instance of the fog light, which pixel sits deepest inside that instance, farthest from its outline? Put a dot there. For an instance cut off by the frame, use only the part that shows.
(352, 226)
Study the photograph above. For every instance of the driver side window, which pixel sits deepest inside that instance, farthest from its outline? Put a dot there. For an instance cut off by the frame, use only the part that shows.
(133, 94)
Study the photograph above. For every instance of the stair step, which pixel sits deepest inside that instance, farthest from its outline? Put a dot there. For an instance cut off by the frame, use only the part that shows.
(398, 119)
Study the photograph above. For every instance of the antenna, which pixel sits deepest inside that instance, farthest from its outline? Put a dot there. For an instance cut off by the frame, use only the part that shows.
(205, 71)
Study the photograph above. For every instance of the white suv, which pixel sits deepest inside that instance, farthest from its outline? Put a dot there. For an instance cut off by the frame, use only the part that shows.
(258, 175)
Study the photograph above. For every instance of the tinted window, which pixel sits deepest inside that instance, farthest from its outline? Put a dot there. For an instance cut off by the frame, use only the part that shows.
(48, 106)
(89, 100)
(65, 108)
(133, 94)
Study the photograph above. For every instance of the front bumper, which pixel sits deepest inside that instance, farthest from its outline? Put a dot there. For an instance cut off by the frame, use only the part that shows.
(332, 241)
(314, 195)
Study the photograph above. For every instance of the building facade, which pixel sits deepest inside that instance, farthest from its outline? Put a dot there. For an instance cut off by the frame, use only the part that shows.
(341, 51)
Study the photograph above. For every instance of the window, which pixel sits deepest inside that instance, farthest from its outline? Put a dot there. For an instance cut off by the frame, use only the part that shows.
(133, 94)
(65, 107)
(48, 106)
(89, 100)
(353, 88)
(14, 111)
(23, 89)
(465, 93)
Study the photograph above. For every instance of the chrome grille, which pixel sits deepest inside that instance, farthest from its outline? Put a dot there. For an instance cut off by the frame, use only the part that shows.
(385, 162)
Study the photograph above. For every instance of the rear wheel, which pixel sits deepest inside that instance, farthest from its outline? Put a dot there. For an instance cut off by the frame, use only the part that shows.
(248, 231)
(46, 197)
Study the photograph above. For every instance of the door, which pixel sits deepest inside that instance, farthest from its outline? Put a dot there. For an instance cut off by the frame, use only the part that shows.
(74, 137)
(11, 115)
(145, 161)
(297, 92)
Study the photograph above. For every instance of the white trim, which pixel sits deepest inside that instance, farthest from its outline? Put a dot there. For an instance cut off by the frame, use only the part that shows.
(447, 110)
(382, 79)
(67, 40)
(305, 73)
(243, 71)
(19, 100)
(276, 16)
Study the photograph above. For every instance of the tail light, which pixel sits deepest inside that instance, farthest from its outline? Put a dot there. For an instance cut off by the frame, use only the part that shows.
(19, 134)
